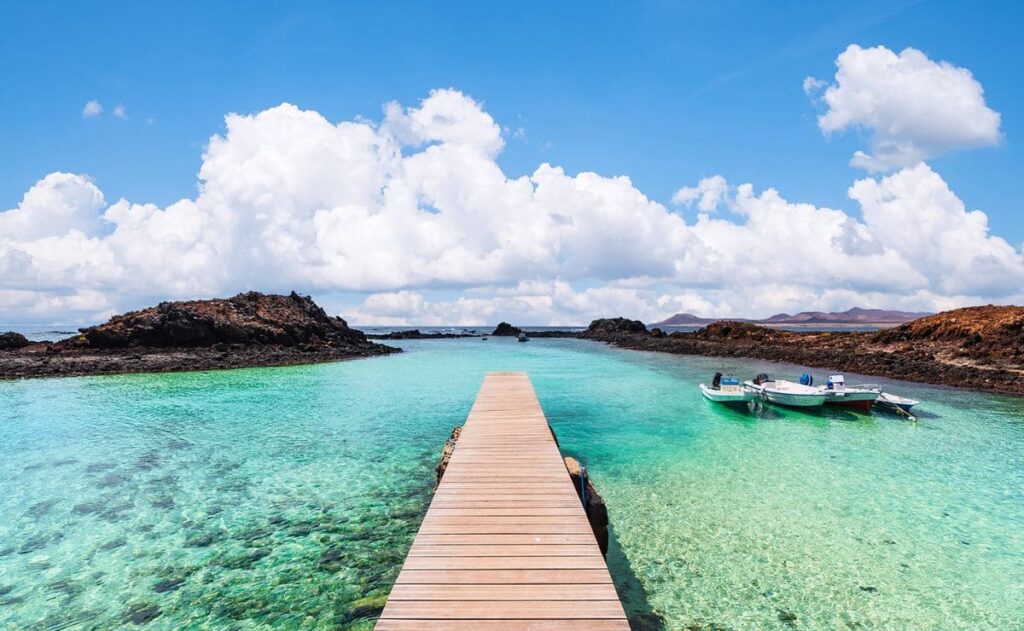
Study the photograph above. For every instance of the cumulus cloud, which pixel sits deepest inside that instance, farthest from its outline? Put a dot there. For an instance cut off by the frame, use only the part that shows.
(708, 194)
(120, 111)
(913, 108)
(401, 209)
(92, 109)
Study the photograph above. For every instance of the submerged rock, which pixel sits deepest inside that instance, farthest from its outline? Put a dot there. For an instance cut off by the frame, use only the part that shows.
(366, 607)
(168, 585)
(142, 613)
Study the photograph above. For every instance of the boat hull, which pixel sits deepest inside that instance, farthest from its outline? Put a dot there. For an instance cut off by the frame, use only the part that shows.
(741, 397)
(793, 400)
(895, 403)
(861, 405)
(861, 401)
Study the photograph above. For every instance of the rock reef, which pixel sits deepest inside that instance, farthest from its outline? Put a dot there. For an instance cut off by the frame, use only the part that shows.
(250, 329)
(976, 347)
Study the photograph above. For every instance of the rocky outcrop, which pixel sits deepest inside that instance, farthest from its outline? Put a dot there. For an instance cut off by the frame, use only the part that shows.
(416, 334)
(250, 329)
(11, 341)
(986, 333)
(250, 319)
(613, 327)
(593, 503)
(446, 453)
(505, 330)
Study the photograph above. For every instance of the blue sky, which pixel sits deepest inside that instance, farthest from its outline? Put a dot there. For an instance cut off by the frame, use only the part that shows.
(665, 93)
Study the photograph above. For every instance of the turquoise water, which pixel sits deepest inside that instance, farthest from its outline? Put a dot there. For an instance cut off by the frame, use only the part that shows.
(287, 497)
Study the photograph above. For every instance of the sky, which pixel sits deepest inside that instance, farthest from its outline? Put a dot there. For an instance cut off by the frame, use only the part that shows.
(464, 163)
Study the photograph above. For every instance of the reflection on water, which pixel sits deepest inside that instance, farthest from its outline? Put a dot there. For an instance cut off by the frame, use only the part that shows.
(288, 497)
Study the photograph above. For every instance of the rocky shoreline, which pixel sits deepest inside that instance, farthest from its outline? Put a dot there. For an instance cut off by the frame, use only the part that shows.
(247, 330)
(980, 348)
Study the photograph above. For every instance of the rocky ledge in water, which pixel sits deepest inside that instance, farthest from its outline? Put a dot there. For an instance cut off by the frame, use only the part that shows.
(250, 329)
(975, 347)
(416, 334)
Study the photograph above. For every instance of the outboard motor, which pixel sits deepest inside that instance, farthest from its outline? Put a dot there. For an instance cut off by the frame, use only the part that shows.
(763, 378)
(806, 379)
(716, 381)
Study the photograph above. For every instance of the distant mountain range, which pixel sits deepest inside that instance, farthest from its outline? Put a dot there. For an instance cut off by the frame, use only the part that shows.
(855, 316)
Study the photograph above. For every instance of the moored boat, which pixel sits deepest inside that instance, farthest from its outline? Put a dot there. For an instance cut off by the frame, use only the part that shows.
(895, 402)
(522, 337)
(857, 397)
(727, 390)
(787, 393)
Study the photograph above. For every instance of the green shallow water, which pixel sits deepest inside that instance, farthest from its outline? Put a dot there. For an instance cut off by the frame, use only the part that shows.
(288, 497)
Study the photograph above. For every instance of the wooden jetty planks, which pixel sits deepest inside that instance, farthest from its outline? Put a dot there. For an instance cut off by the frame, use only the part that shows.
(505, 543)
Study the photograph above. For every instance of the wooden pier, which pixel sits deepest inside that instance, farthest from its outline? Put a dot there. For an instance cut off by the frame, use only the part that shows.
(506, 543)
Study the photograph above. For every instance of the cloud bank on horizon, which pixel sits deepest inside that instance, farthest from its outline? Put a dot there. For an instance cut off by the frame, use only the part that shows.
(417, 202)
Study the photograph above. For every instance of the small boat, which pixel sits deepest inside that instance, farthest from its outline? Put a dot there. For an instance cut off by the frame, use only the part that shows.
(894, 402)
(727, 390)
(788, 393)
(522, 337)
(856, 397)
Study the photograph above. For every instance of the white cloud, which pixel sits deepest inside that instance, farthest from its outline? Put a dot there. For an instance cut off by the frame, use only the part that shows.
(708, 194)
(912, 107)
(417, 203)
(92, 109)
(813, 86)
(120, 111)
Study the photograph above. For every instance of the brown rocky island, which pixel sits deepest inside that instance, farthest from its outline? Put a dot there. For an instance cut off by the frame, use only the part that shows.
(250, 329)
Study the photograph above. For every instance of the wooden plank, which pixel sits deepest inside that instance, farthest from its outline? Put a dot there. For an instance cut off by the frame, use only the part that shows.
(505, 543)
(591, 562)
(546, 577)
(491, 539)
(502, 625)
(485, 591)
(507, 550)
(504, 609)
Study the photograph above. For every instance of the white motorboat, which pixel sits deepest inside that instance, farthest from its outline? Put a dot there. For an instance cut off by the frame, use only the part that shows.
(727, 390)
(894, 402)
(788, 393)
(856, 397)
(522, 337)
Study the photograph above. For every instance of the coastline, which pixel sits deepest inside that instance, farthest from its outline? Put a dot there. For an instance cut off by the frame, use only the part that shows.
(840, 351)
(43, 361)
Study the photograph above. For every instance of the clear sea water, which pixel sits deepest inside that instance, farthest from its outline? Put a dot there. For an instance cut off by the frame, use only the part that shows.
(287, 497)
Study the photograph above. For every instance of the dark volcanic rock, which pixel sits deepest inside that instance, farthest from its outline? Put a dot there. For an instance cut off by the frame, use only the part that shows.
(12, 341)
(250, 329)
(249, 318)
(608, 327)
(505, 329)
(142, 613)
(416, 334)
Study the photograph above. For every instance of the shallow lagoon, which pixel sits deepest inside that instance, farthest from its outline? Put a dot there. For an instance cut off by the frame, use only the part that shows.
(287, 497)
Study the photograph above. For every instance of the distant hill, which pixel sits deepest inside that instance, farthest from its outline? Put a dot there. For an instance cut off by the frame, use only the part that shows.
(855, 316)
